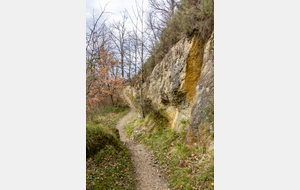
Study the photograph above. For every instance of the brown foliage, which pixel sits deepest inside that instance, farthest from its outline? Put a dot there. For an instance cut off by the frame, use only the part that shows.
(101, 81)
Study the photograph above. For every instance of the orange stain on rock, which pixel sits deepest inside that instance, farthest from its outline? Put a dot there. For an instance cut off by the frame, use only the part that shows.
(193, 68)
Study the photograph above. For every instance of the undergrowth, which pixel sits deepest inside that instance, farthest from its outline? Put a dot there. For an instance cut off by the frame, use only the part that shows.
(110, 168)
(184, 168)
(134, 100)
(108, 164)
(192, 17)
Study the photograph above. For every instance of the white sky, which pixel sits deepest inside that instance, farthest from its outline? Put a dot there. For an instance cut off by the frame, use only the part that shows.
(115, 7)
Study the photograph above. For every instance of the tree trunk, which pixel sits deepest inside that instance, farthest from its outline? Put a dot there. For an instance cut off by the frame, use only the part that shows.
(122, 64)
(142, 61)
(142, 109)
(112, 100)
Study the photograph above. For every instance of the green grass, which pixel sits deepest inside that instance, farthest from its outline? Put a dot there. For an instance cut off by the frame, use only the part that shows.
(110, 168)
(133, 99)
(184, 121)
(108, 164)
(108, 116)
(97, 137)
(184, 168)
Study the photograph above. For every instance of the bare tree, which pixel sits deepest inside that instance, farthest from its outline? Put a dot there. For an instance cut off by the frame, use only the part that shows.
(162, 11)
(96, 36)
(99, 47)
(134, 36)
(138, 13)
(93, 33)
(118, 35)
(154, 31)
(129, 54)
(164, 7)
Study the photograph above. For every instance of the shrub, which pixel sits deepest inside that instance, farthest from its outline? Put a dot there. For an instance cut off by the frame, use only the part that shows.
(193, 17)
(96, 139)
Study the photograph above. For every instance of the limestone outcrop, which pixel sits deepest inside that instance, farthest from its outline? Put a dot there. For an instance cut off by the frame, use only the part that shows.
(204, 93)
(183, 82)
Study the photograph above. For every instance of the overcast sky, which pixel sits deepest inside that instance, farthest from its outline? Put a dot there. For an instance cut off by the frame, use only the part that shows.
(115, 7)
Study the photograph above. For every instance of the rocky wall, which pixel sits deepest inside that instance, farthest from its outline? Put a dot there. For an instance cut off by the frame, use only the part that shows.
(183, 83)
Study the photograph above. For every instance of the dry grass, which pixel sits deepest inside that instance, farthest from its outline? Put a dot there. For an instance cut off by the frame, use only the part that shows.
(184, 168)
(108, 164)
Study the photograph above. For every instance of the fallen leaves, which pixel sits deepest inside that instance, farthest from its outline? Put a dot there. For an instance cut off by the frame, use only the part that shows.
(183, 163)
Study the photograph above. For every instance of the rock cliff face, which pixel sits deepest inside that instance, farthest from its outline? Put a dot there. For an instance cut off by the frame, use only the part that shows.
(203, 97)
(182, 83)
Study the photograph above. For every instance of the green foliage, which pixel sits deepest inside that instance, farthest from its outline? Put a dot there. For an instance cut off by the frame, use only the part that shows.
(108, 164)
(99, 129)
(184, 121)
(196, 16)
(185, 168)
(97, 137)
(193, 17)
(110, 168)
(95, 115)
(158, 115)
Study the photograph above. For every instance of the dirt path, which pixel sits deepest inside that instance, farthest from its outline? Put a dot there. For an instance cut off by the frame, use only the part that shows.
(147, 171)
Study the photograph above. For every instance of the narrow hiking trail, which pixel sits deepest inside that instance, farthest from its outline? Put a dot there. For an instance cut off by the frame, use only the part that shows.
(146, 171)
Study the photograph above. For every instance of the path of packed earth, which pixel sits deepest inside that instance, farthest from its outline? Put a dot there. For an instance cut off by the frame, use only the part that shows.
(146, 169)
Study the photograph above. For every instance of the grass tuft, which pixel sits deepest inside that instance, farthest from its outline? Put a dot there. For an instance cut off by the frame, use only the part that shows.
(184, 168)
(108, 164)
